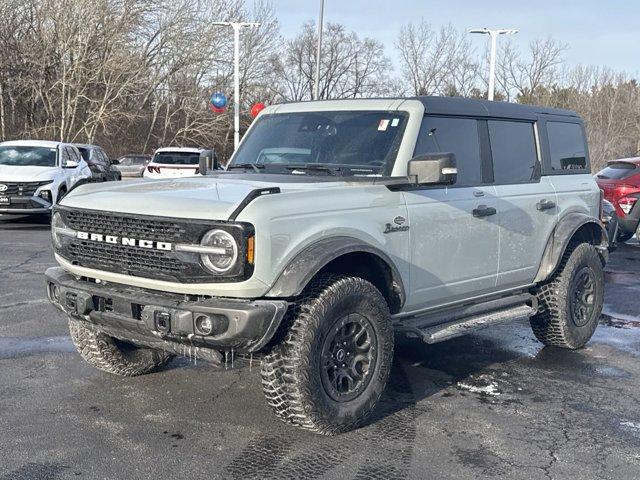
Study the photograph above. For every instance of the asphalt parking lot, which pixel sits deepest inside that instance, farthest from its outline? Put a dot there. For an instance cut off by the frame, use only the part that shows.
(494, 404)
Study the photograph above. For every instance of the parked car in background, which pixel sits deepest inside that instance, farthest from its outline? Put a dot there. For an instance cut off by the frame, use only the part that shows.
(620, 182)
(173, 162)
(99, 163)
(36, 174)
(132, 165)
(610, 221)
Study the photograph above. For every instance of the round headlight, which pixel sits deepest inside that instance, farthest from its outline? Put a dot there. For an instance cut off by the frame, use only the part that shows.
(57, 224)
(227, 251)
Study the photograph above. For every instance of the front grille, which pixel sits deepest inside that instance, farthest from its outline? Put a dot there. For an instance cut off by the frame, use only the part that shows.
(21, 189)
(138, 261)
(124, 226)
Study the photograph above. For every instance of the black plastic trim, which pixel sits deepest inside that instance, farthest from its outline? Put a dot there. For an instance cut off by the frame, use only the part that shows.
(251, 196)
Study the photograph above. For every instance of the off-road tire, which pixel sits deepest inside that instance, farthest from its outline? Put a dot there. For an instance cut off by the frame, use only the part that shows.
(113, 356)
(291, 378)
(554, 323)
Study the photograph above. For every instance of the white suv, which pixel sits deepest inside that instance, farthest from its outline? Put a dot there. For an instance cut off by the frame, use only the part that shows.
(35, 174)
(173, 162)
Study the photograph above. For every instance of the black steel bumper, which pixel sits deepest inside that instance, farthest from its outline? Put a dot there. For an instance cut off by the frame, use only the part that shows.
(165, 320)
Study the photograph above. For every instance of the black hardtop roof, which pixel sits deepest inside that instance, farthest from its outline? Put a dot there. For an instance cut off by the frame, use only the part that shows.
(485, 108)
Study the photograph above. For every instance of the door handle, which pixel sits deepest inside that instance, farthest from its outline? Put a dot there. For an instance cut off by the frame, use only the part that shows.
(483, 211)
(545, 204)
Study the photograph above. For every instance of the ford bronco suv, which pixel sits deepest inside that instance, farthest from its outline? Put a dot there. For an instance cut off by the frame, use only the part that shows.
(336, 225)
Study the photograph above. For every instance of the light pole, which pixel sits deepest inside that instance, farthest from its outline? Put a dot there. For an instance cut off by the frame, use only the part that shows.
(492, 62)
(316, 85)
(236, 74)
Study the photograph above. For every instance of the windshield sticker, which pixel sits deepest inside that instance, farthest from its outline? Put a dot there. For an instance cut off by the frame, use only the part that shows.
(382, 126)
(395, 122)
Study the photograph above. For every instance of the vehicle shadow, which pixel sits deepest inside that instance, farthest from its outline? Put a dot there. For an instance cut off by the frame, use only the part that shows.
(420, 370)
(25, 222)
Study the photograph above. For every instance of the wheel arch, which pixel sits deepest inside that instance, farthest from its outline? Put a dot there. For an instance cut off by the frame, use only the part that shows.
(344, 255)
(574, 227)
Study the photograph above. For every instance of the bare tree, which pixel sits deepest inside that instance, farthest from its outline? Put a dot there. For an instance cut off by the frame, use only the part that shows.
(436, 62)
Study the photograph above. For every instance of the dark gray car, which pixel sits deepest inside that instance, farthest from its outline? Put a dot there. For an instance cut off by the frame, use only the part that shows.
(101, 166)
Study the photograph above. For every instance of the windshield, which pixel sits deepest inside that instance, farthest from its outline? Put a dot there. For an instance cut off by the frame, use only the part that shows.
(361, 139)
(28, 156)
(177, 158)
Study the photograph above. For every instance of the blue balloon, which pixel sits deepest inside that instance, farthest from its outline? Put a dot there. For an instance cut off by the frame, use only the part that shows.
(218, 100)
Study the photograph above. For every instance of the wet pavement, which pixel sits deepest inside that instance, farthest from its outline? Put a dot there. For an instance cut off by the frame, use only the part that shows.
(491, 405)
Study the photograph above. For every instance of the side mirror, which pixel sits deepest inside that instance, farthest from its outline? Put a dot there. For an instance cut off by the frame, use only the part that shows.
(115, 162)
(434, 169)
(71, 164)
(208, 162)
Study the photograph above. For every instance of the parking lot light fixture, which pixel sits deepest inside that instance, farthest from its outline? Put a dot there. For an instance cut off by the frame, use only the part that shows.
(492, 61)
(236, 74)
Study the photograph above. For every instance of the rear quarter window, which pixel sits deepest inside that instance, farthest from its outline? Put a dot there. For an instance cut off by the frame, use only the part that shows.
(567, 148)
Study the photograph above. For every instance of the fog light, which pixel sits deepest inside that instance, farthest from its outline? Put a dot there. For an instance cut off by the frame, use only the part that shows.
(45, 195)
(204, 325)
(211, 324)
(162, 321)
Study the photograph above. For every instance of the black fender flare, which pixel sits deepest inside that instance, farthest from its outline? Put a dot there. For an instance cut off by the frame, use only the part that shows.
(308, 262)
(560, 238)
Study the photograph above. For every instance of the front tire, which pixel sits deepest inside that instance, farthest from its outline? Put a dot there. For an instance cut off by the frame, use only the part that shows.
(330, 369)
(114, 356)
(570, 303)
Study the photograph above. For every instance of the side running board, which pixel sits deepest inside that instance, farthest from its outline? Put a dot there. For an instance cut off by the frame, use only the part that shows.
(445, 324)
(439, 333)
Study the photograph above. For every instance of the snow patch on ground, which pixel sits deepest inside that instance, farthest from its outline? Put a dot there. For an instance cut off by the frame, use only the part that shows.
(483, 385)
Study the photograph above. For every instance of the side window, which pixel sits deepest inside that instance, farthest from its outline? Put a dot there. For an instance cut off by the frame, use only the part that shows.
(514, 152)
(74, 155)
(567, 146)
(455, 135)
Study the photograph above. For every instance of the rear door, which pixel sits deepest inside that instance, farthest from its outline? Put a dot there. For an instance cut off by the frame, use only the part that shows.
(527, 201)
(454, 254)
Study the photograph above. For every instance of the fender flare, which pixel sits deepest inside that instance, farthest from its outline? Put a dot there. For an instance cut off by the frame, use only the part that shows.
(308, 262)
(560, 238)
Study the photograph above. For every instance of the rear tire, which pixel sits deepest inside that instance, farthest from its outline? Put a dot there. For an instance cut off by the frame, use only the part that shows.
(570, 303)
(114, 356)
(328, 372)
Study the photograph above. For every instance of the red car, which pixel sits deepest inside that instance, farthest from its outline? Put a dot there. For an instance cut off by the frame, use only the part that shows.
(620, 182)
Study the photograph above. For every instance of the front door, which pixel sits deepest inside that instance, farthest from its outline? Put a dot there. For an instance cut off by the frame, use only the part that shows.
(454, 231)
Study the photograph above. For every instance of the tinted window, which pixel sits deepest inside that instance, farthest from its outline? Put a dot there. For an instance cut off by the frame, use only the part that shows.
(455, 135)
(85, 152)
(177, 158)
(513, 148)
(567, 146)
(618, 170)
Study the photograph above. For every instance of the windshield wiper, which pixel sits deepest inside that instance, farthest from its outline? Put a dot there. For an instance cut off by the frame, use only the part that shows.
(256, 167)
(318, 167)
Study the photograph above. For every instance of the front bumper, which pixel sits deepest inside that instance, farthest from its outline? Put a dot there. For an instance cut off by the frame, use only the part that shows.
(26, 205)
(165, 320)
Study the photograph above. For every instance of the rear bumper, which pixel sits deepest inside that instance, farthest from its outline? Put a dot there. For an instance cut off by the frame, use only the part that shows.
(165, 320)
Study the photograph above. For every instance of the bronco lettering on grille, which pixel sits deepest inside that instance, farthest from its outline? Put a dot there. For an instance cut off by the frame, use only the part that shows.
(127, 241)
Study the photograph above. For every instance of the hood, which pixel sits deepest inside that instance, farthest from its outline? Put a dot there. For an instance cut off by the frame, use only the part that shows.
(11, 173)
(212, 198)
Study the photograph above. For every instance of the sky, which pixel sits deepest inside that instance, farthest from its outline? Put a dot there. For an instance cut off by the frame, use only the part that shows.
(602, 33)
